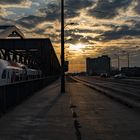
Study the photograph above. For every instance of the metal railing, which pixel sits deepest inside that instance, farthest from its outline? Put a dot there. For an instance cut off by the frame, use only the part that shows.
(13, 94)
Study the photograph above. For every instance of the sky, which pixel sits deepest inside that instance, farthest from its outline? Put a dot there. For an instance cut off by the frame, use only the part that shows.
(101, 27)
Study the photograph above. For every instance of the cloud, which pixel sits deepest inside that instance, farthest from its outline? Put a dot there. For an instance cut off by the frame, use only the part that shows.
(15, 3)
(46, 31)
(79, 4)
(76, 30)
(119, 32)
(30, 21)
(51, 13)
(11, 1)
(106, 9)
(73, 7)
(137, 7)
(4, 21)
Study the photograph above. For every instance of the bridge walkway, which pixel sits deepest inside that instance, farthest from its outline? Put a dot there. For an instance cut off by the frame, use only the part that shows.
(47, 116)
(44, 116)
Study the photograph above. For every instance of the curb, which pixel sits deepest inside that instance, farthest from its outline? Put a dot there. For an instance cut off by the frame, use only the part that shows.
(123, 100)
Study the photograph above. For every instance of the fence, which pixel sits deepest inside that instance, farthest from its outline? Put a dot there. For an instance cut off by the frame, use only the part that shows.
(13, 94)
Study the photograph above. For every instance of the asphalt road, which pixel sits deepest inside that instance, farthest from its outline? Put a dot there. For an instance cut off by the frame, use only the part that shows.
(102, 118)
(47, 116)
(124, 85)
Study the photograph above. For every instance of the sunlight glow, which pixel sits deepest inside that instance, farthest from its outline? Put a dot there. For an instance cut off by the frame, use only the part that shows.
(77, 47)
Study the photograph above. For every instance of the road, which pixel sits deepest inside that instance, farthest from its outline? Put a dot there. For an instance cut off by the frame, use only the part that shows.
(124, 90)
(82, 113)
(102, 118)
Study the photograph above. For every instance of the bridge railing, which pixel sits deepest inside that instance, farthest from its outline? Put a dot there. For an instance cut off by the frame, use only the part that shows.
(15, 93)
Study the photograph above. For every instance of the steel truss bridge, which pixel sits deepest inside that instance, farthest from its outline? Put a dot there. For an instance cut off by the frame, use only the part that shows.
(35, 53)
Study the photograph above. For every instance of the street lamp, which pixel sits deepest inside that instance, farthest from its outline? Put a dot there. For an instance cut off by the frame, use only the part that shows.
(128, 58)
(128, 55)
(118, 60)
(62, 49)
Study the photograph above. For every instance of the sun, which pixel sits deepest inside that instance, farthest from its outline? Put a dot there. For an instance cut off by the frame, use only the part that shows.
(77, 47)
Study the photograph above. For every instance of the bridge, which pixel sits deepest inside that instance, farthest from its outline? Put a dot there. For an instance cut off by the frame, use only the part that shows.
(91, 108)
(34, 53)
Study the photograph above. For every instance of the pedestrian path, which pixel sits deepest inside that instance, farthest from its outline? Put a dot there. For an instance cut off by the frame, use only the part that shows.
(79, 114)
(44, 116)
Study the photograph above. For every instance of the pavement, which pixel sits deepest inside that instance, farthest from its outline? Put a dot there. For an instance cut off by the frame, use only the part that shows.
(44, 116)
(100, 117)
(79, 114)
(125, 94)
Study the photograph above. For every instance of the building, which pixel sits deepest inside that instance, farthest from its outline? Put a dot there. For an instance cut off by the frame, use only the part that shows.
(96, 66)
(131, 71)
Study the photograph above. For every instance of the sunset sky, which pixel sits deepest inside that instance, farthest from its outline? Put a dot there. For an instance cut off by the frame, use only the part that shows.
(100, 27)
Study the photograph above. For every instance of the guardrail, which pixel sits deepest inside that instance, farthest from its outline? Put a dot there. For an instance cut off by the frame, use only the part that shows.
(15, 93)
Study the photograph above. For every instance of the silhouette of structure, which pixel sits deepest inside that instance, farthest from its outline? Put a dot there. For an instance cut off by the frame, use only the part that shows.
(131, 71)
(96, 66)
(10, 31)
(37, 53)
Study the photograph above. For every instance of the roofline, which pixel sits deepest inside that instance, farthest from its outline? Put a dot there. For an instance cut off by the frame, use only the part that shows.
(9, 30)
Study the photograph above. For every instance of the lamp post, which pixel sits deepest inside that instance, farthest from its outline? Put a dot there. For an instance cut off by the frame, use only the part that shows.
(128, 58)
(118, 61)
(62, 49)
(128, 55)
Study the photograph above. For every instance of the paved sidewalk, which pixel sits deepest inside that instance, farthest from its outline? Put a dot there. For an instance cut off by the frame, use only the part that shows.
(44, 116)
(100, 117)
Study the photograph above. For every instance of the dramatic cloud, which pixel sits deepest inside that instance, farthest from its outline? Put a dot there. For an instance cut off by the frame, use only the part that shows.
(137, 8)
(103, 26)
(15, 3)
(11, 1)
(121, 32)
(30, 21)
(108, 9)
(51, 13)
(73, 7)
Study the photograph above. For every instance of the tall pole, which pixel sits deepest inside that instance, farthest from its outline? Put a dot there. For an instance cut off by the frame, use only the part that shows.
(62, 49)
(118, 63)
(128, 59)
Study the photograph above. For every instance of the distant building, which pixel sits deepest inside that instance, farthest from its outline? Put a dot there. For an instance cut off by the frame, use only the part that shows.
(131, 71)
(96, 66)
(10, 31)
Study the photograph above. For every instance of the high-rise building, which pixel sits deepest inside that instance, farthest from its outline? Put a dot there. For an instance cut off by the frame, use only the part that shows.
(96, 66)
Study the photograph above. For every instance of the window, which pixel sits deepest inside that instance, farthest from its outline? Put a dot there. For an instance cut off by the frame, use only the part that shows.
(8, 75)
(4, 74)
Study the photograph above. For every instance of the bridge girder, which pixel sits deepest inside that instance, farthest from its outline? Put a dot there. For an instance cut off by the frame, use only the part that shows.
(35, 53)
